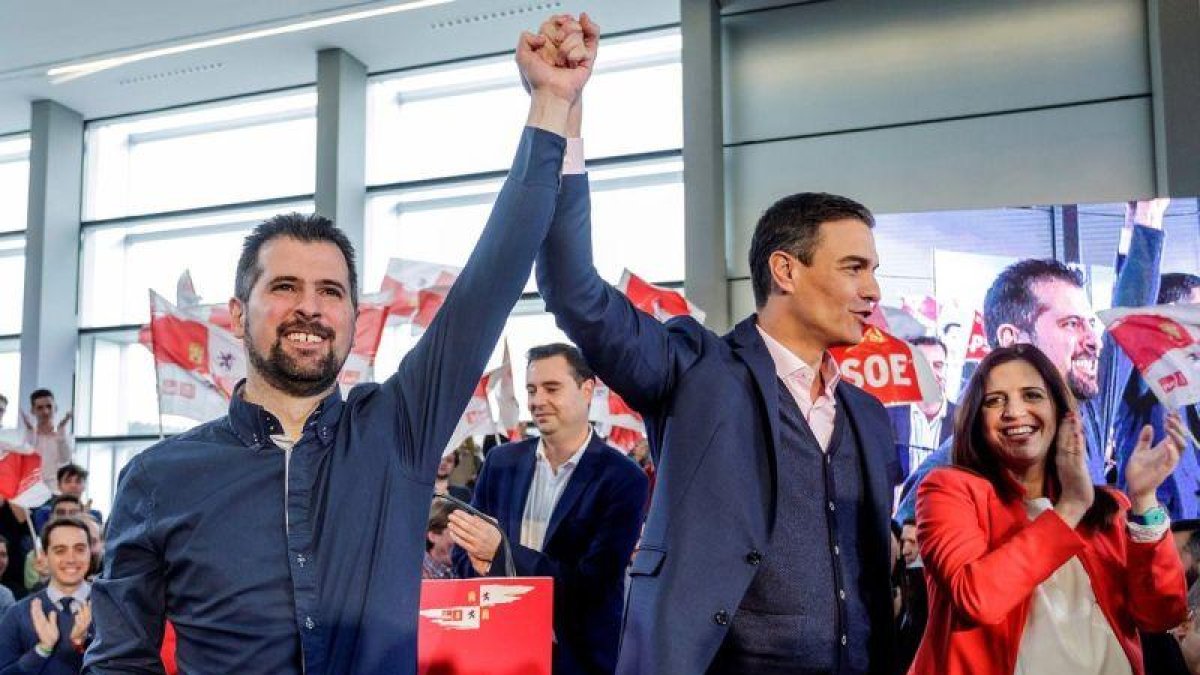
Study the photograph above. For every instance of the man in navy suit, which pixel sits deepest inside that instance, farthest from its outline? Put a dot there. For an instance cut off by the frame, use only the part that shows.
(921, 428)
(46, 632)
(570, 505)
(767, 547)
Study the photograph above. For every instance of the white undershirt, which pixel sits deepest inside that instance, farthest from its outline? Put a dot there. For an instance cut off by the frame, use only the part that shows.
(544, 492)
(1066, 631)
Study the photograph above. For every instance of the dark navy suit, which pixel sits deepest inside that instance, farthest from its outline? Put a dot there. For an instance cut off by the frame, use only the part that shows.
(712, 410)
(901, 417)
(18, 638)
(591, 535)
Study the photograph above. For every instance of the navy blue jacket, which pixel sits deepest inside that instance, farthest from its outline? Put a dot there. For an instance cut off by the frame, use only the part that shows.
(18, 639)
(901, 418)
(587, 547)
(1179, 494)
(200, 533)
(711, 406)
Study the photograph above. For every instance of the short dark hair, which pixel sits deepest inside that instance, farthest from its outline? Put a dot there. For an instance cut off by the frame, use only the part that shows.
(1011, 300)
(39, 393)
(56, 523)
(1177, 286)
(971, 451)
(909, 521)
(61, 499)
(929, 341)
(439, 520)
(309, 228)
(67, 470)
(580, 369)
(793, 225)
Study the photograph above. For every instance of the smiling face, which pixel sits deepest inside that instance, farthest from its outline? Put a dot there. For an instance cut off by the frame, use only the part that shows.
(1019, 416)
(829, 301)
(558, 404)
(1066, 332)
(68, 556)
(298, 323)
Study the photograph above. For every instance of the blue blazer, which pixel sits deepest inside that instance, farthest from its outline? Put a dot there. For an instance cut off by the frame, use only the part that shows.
(1179, 494)
(711, 409)
(18, 638)
(587, 547)
(901, 418)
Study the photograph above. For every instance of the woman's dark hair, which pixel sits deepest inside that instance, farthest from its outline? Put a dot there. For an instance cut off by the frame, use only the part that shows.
(972, 452)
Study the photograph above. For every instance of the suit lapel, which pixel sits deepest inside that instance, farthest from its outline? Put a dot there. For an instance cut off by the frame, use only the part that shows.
(523, 480)
(748, 345)
(580, 478)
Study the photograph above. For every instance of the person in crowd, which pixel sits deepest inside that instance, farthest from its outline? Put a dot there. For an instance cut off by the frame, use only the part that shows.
(1162, 652)
(3, 408)
(910, 625)
(286, 537)
(437, 563)
(441, 484)
(908, 543)
(36, 573)
(51, 439)
(1032, 569)
(1044, 303)
(14, 528)
(571, 507)
(774, 482)
(71, 480)
(920, 428)
(1187, 542)
(6, 596)
(1188, 635)
(48, 631)
(1180, 493)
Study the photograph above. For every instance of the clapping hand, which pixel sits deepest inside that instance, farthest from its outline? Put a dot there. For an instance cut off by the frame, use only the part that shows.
(45, 625)
(1071, 462)
(1149, 466)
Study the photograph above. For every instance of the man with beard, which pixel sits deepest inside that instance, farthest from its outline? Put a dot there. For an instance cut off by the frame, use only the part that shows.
(1044, 303)
(287, 536)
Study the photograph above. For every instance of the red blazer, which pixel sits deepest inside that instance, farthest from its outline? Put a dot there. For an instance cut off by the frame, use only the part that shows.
(984, 558)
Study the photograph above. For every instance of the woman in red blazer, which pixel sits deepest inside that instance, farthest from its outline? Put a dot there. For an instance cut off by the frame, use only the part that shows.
(1029, 568)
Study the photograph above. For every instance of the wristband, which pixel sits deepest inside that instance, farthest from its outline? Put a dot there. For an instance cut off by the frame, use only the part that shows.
(44, 654)
(1154, 517)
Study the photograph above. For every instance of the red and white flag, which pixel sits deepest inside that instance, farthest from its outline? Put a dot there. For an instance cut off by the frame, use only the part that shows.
(977, 343)
(660, 303)
(923, 308)
(373, 310)
(197, 363)
(501, 386)
(1164, 344)
(614, 419)
(418, 289)
(21, 472)
(888, 368)
(477, 419)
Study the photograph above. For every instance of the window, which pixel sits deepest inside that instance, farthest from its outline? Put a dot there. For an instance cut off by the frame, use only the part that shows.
(12, 280)
(10, 381)
(200, 156)
(14, 183)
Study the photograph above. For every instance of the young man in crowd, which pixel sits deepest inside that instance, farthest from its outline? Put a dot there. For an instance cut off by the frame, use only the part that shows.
(286, 537)
(571, 507)
(48, 631)
(50, 439)
(6, 596)
(71, 480)
(921, 428)
(36, 574)
(438, 562)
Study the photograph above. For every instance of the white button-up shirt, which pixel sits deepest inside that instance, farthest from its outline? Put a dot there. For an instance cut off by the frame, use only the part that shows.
(544, 492)
(798, 377)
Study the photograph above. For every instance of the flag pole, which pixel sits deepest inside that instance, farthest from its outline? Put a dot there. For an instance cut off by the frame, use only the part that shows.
(37, 542)
(154, 357)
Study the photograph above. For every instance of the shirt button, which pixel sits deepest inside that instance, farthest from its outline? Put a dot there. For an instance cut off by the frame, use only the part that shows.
(831, 506)
(300, 560)
(309, 624)
(843, 640)
(835, 550)
(841, 594)
(721, 618)
(753, 557)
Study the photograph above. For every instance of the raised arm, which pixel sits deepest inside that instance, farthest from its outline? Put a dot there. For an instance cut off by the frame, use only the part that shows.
(435, 380)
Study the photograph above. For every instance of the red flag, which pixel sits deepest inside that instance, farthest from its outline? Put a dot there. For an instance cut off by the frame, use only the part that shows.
(21, 474)
(977, 343)
(408, 279)
(609, 411)
(660, 303)
(1164, 344)
(197, 363)
(477, 419)
(888, 368)
(508, 409)
(373, 310)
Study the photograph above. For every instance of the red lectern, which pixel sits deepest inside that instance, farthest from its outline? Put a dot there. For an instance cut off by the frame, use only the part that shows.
(492, 626)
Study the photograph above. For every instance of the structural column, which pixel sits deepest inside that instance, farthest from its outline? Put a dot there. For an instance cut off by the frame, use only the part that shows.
(49, 328)
(1175, 87)
(706, 279)
(342, 143)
